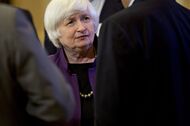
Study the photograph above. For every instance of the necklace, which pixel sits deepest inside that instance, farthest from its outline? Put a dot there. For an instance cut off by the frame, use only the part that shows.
(86, 95)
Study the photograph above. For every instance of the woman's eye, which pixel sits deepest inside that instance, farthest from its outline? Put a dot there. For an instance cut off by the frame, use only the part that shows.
(86, 18)
(69, 22)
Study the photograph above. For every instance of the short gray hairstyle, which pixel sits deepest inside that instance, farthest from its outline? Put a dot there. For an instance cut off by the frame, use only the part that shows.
(57, 10)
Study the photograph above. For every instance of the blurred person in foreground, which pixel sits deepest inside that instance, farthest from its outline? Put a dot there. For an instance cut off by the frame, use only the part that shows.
(143, 66)
(71, 26)
(32, 90)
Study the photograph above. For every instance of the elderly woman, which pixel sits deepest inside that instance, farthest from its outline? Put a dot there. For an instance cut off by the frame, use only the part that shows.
(71, 26)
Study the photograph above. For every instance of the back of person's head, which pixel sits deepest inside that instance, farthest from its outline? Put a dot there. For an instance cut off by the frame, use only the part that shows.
(58, 10)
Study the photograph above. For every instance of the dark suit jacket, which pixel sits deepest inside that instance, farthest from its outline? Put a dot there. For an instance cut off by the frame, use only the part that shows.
(110, 7)
(143, 66)
(30, 85)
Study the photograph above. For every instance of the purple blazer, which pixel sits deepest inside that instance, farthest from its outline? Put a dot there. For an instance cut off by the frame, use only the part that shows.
(59, 58)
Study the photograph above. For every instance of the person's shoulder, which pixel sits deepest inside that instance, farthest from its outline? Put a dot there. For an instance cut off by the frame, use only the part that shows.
(6, 7)
(10, 10)
(138, 12)
(10, 14)
(6, 11)
(7, 23)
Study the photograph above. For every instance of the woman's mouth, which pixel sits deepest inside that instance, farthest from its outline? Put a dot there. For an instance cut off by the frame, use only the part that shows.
(82, 37)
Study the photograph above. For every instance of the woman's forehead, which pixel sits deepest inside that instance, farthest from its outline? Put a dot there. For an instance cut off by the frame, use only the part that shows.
(74, 13)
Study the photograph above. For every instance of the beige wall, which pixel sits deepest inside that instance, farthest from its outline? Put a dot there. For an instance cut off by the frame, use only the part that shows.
(36, 7)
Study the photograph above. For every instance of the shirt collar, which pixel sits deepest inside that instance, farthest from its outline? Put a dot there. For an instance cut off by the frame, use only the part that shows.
(131, 2)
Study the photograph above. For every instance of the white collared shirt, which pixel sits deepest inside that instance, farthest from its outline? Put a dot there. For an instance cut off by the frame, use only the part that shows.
(98, 5)
(131, 2)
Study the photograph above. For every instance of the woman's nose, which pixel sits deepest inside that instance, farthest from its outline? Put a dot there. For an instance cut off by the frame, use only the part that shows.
(81, 26)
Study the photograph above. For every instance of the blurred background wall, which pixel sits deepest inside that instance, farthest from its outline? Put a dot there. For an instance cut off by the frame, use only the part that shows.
(37, 8)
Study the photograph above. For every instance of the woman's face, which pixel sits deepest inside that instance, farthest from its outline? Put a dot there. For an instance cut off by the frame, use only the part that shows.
(77, 32)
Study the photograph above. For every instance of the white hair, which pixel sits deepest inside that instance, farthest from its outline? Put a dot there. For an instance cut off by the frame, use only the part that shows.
(58, 10)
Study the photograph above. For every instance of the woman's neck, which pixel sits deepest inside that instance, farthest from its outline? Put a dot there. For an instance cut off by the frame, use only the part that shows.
(87, 56)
